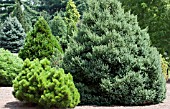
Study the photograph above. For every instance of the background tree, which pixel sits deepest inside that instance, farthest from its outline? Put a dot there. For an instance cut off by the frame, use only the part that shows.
(40, 42)
(31, 15)
(154, 15)
(19, 13)
(58, 26)
(12, 35)
(64, 25)
(111, 59)
(53, 6)
(6, 7)
(71, 18)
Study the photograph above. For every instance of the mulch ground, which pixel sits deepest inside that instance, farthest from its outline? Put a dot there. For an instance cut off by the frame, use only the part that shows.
(7, 101)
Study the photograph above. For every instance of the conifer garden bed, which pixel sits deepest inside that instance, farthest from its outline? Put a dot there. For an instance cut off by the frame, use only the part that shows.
(7, 101)
(102, 59)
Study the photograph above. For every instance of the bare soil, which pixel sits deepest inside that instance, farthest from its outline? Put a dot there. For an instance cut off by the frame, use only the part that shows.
(7, 101)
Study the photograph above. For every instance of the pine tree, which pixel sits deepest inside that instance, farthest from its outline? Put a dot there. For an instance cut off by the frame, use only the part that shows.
(6, 7)
(31, 15)
(153, 14)
(19, 13)
(40, 42)
(12, 35)
(112, 61)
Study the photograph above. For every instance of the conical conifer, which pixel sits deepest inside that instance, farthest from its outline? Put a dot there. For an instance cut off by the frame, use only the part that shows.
(111, 59)
(12, 35)
(40, 42)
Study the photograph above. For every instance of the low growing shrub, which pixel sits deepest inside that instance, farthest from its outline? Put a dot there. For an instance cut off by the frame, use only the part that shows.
(40, 84)
(10, 66)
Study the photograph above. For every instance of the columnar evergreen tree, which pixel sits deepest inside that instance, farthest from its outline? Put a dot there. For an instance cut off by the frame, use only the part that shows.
(40, 42)
(112, 61)
(64, 27)
(71, 11)
(71, 18)
(12, 35)
(153, 14)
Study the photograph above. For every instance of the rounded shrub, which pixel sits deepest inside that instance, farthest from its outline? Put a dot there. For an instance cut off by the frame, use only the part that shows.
(111, 59)
(10, 66)
(40, 84)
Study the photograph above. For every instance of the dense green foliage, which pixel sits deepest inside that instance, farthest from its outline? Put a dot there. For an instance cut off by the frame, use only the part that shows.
(153, 14)
(6, 7)
(64, 27)
(72, 18)
(59, 29)
(40, 84)
(52, 6)
(10, 66)
(71, 11)
(111, 59)
(40, 42)
(58, 26)
(19, 13)
(12, 35)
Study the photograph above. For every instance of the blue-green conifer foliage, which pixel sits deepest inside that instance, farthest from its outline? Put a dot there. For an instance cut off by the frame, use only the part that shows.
(112, 61)
(12, 35)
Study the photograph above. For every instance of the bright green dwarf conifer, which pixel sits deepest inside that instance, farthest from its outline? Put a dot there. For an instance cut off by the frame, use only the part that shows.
(40, 42)
(40, 84)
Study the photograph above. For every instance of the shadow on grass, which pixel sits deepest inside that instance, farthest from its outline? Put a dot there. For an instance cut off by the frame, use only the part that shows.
(20, 105)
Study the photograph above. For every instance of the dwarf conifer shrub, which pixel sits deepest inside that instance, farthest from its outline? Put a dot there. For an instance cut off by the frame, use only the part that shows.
(40, 84)
(10, 66)
(12, 35)
(111, 59)
(40, 42)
